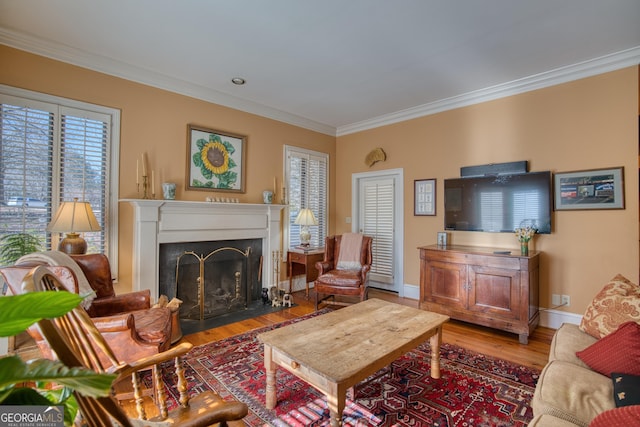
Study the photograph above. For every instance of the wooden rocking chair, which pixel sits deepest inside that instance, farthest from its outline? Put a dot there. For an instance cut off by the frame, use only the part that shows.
(77, 342)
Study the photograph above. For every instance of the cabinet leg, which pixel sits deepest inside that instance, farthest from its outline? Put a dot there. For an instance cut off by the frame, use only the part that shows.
(524, 338)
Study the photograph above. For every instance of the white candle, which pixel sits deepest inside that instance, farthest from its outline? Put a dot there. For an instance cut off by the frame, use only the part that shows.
(153, 183)
(144, 164)
(137, 171)
(275, 185)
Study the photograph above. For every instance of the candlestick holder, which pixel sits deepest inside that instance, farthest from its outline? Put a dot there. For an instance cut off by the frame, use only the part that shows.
(145, 187)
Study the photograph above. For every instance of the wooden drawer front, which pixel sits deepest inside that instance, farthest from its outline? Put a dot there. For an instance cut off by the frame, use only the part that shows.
(445, 283)
(494, 261)
(296, 257)
(494, 291)
(316, 380)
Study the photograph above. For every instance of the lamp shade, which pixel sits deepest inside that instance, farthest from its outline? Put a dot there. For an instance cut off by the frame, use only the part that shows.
(306, 217)
(71, 218)
(74, 217)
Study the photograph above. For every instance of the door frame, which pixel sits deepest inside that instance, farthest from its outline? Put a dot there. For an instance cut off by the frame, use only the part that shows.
(398, 184)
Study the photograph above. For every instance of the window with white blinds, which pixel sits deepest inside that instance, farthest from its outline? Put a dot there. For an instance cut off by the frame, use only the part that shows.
(378, 222)
(52, 152)
(306, 174)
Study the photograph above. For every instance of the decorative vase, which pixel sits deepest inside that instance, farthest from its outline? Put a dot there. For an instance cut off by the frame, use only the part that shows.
(524, 248)
(267, 197)
(169, 190)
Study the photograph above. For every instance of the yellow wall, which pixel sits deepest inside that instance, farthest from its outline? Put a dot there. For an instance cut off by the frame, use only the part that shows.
(155, 121)
(590, 123)
(586, 124)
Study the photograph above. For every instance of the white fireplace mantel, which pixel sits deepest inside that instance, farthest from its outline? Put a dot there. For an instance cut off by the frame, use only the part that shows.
(173, 221)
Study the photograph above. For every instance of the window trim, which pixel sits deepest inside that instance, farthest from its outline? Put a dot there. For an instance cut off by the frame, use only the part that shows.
(114, 156)
(287, 149)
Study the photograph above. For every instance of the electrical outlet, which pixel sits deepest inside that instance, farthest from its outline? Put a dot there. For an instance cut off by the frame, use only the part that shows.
(555, 300)
(566, 300)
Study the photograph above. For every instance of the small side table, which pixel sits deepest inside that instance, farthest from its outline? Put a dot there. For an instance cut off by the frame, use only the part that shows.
(300, 261)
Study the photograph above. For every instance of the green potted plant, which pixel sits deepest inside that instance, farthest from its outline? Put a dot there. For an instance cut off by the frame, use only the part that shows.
(13, 246)
(17, 313)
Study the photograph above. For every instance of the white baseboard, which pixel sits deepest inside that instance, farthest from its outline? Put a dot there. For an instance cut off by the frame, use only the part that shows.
(298, 284)
(553, 319)
(411, 291)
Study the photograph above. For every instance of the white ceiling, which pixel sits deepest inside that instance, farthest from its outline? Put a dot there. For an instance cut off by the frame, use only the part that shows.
(335, 66)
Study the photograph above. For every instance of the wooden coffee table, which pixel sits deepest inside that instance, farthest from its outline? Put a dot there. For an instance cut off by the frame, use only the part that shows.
(335, 351)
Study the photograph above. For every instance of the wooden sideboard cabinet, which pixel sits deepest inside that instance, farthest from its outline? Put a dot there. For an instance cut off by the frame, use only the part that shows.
(481, 286)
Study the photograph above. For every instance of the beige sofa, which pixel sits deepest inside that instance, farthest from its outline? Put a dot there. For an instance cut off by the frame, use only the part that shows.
(568, 393)
(571, 393)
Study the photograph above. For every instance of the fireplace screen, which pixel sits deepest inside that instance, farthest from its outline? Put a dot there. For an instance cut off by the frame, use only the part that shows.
(212, 278)
(213, 284)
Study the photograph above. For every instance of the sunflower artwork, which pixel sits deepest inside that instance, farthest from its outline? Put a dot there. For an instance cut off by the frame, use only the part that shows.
(216, 161)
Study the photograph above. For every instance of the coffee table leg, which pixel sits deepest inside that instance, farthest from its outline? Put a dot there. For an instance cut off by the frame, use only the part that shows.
(270, 368)
(336, 401)
(435, 341)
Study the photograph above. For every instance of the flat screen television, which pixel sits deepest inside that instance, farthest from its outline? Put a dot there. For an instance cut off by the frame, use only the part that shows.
(499, 203)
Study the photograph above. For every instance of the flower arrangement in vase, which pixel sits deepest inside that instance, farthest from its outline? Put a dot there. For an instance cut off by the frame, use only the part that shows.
(524, 234)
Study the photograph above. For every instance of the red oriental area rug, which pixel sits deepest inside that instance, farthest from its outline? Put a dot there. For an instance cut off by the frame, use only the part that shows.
(474, 390)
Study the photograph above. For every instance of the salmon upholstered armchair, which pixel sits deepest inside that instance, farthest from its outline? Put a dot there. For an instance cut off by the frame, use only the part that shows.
(344, 269)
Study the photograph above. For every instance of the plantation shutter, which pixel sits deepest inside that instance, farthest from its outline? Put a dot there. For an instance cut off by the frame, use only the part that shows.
(25, 168)
(52, 153)
(84, 165)
(306, 176)
(378, 222)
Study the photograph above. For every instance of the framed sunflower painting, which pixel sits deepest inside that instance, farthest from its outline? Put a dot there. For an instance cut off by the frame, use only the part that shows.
(215, 160)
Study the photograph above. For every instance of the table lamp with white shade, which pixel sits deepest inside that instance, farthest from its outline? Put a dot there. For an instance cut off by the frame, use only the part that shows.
(72, 218)
(305, 218)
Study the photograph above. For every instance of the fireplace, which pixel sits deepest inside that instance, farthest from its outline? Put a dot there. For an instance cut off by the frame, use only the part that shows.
(211, 278)
(161, 222)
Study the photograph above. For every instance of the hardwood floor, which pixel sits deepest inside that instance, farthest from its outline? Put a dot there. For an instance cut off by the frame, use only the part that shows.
(476, 338)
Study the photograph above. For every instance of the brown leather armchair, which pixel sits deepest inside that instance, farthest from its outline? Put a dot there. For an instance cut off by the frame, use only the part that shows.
(150, 324)
(97, 270)
(127, 321)
(333, 280)
(78, 343)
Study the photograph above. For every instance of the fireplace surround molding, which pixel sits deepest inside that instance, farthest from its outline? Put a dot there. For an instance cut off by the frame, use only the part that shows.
(171, 221)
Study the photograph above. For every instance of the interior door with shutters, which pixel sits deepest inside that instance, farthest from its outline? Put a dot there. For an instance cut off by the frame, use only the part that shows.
(376, 219)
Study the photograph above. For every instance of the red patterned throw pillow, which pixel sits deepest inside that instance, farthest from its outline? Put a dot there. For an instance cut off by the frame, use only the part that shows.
(616, 303)
(617, 352)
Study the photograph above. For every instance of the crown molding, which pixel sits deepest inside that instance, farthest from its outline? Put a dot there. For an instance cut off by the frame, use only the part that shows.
(615, 61)
(126, 71)
(122, 70)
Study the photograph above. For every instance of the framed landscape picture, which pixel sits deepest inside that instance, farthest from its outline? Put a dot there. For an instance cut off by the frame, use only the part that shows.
(215, 160)
(589, 189)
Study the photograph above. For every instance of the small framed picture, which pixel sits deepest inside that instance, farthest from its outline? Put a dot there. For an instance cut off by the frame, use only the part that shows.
(424, 197)
(443, 239)
(589, 189)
